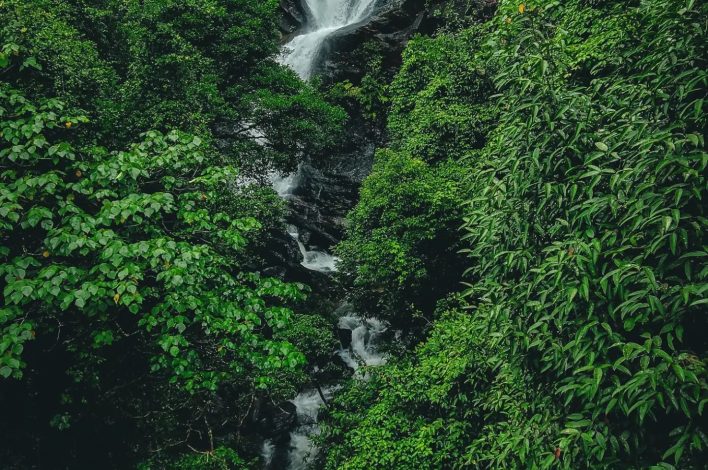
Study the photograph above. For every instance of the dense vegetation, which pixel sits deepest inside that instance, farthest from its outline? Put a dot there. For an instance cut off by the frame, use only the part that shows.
(566, 138)
(534, 226)
(134, 311)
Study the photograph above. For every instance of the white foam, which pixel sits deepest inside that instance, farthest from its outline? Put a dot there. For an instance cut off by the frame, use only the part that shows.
(363, 350)
(327, 16)
(312, 259)
(307, 406)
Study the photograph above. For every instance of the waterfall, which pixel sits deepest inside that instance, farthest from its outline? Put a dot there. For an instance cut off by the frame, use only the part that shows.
(311, 259)
(324, 18)
(284, 185)
(267, 452)
(307, 406)
(363, 351)
(365, 336)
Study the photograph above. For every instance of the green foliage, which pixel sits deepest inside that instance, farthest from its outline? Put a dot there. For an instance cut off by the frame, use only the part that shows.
(69, 65)
(370, 96)
(439, 98)
(101, 248)
(96, 233)
(221, 458)
(400, 256)
(402, 235)
(292, 116)
(134, 311)
(420, 413)
(200, 66)
(453, 15)
(311, 334)
(584, 230)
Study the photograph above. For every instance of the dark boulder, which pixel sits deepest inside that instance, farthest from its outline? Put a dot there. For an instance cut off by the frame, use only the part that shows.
(345, 337)
(293, 16)
(273, 421)
(390, 27)
(282, 256)
(326, 192)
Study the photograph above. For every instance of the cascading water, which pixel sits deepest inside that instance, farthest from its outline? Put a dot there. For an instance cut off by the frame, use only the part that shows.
(311, 259)
(307, 405)
(363, 350)
(324, 18)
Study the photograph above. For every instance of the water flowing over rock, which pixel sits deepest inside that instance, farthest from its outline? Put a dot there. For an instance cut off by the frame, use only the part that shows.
(319, 195)
(296, 450)
(307, 404)
(389, 28)
(365, 337)
(326, 188)
(324, 17)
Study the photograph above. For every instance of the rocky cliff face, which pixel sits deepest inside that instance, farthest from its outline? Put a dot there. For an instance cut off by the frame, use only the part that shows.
(292, 18)
(328, 185)
(389, 29)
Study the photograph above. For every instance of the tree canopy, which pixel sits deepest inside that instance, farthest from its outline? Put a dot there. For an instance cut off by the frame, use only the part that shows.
(134, 135)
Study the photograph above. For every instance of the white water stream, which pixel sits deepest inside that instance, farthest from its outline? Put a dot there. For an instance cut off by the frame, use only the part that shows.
(307, 404)
(311, 259)
(324, 17)
(363, 350)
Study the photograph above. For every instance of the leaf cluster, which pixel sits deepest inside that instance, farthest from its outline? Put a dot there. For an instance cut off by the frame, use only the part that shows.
(582, 344)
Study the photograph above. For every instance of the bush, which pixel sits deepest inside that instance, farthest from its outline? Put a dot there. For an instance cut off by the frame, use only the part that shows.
(584, 233)
(399, 254)
(107, 250)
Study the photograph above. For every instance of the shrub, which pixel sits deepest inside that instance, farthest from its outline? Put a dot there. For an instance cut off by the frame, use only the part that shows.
(584, 230)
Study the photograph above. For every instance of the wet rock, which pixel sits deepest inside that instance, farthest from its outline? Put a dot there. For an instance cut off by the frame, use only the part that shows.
(345, 337)
(273, 421)
(328, 188)
(292, 17)
(282, 255)
(390, 27)
(283, 260)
